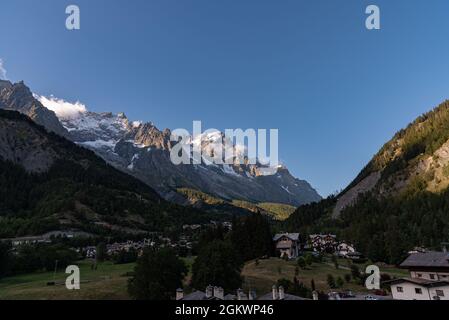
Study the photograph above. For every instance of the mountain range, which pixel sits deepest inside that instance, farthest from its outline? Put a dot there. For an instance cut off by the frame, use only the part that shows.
(142, 150)
(100, 171)
(49, 183)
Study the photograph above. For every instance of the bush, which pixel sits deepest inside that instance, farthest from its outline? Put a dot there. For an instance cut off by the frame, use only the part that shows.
(124, 256)
(331, 281)
(348, 277)
(295, 288)
(339, 282)
(301, 262)
(355, 271)
(308, 259)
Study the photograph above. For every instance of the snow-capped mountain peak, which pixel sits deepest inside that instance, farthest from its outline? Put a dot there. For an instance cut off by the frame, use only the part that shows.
(143, 150)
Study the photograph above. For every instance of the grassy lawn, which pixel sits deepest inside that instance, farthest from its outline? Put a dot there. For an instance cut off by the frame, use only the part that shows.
(263, 276)
(107, 282)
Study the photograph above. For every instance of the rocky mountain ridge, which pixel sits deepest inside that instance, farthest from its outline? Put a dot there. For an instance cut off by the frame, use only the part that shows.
(18, 97)
(142, 150)
(49, 183)
(418, 154)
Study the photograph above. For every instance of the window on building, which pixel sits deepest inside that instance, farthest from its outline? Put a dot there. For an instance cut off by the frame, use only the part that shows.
(400, 289)
(418, 290)
(440, 293)
(432, 276)
(419, 275)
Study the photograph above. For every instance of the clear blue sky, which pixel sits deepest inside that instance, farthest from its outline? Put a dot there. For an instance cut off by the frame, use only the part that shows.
(335, 90)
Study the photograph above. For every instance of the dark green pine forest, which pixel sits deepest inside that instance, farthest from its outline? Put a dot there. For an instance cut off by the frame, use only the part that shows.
(79, 190)
(409, 205)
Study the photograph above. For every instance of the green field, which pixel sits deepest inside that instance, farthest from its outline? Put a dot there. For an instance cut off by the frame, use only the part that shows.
(263, 276)
(109, 281)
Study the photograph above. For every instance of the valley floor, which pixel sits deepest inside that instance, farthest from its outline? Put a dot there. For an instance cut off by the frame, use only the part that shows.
(262, 276)
(109, 281)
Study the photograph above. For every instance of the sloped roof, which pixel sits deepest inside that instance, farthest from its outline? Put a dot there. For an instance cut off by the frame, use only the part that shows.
(195, 295)
(291, 236)
(322, 236)
(421, 282)
(201, 295)
(269, 296)
(427, 259)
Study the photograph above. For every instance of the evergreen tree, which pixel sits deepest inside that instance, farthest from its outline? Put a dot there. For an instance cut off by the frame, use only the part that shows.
(157, 275)
(251, 237)
(217, 264)
(101, 252)
(339, 282)
(301, 262)
(331, 281)
(312, 285)
(6, 258)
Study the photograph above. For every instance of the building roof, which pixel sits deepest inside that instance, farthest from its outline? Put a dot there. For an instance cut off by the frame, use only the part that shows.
(427, 259)
(201, 295)
(421, 282)
(269, 296)
(291, 236)
(322, 236)
(195, 295)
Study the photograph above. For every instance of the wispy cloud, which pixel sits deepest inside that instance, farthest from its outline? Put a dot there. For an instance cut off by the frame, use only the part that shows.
(2, 71)
(63, 109)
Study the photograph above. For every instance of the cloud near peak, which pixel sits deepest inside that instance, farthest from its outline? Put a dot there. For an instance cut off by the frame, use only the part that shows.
(64, 110)
(2, 71)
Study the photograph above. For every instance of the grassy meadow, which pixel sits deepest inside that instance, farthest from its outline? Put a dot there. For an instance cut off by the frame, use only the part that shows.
(109, 281)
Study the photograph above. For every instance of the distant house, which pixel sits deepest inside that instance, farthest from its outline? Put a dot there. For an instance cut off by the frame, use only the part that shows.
(346, 250)
(214, 293)
(27, 240)
(211, 293)
(287, 244)
(418, 250)
(47, 237)
(323, 242)
(342, 249)
(429, 277)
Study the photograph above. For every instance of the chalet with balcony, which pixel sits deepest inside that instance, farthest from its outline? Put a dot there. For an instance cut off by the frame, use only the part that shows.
(287, 244)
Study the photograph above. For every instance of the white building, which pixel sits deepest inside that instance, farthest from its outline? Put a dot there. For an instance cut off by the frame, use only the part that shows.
(419, 289)
(343, 249)
(429, 277)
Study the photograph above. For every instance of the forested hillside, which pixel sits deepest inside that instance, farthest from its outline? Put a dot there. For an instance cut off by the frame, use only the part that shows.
(398, 201)
(48, 183)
